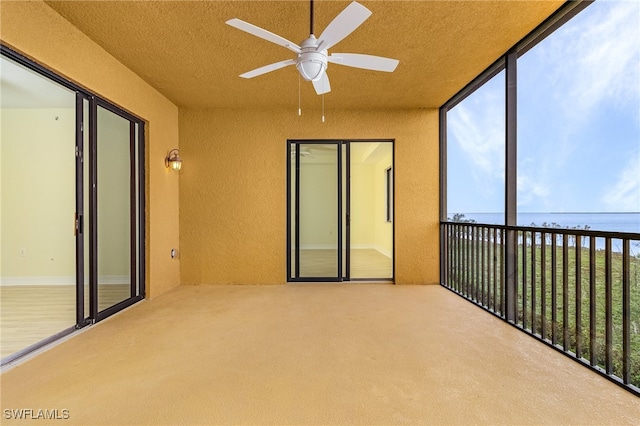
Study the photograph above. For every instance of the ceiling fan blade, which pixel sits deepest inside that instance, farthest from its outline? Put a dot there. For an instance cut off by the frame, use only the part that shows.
(367, 62)
(267, 68)
(342, 25)
(263, 34)
(322, 85)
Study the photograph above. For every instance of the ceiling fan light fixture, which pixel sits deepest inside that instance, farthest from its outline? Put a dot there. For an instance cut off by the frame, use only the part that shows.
(312, 69)
(311, 63)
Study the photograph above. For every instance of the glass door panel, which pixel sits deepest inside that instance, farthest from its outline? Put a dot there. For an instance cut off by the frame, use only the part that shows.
(317, 205)
(37, 169)
(113, 213)
(371, 208)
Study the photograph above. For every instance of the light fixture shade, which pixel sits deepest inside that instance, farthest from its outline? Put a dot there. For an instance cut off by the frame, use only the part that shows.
(173, 160)
(311, 70)
(176, 164)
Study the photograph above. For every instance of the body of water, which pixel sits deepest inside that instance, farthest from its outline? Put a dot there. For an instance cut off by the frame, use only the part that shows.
(617, 222)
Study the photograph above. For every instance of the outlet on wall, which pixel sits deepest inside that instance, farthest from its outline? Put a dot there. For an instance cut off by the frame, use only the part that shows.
(22, 252)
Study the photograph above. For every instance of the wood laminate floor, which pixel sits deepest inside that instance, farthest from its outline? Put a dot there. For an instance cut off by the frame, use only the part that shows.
(29, 314)
(365, 263)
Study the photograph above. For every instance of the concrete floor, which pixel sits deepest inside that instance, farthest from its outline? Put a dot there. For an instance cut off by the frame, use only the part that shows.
(314, 355)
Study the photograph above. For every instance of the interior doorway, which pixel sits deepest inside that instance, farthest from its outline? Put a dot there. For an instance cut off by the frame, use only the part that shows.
(340, 210)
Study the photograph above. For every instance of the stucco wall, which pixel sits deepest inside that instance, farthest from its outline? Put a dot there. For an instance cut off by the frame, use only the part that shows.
(233, 189)
(35, 30)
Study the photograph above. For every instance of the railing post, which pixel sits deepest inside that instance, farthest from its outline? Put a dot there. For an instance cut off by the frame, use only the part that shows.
(511, 278)
(626, 313)
(511, 185)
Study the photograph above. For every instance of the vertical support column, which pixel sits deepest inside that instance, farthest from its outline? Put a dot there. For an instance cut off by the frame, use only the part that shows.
(443, 192)
(510, 214)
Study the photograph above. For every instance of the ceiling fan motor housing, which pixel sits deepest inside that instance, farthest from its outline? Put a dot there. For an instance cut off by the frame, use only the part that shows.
(310, 62)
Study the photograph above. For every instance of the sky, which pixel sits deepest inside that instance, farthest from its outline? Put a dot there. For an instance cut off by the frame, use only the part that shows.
(578, 123)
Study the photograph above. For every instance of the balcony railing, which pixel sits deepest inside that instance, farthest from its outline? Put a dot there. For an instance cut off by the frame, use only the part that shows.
(576, 290)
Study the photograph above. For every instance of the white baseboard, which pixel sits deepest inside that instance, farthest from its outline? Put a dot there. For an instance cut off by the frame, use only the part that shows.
(114, 279)
(317, 246)
(55, 280)
(384, 251)
(361, 246)
(60, 280)
(333, 246)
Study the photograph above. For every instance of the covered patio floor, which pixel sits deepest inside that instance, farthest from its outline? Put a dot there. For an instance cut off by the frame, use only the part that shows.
(311, 354)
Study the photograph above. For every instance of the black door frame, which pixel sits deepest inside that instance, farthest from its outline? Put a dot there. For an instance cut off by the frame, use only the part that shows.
(344, 211)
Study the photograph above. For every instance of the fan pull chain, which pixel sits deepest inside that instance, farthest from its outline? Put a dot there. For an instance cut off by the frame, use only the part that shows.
(299, 102)
(323, 100)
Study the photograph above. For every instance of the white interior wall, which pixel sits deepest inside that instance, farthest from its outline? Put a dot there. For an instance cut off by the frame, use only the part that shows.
(318, 199)
(37, 175)
(362, 202)
(38, 195)
(383, 239)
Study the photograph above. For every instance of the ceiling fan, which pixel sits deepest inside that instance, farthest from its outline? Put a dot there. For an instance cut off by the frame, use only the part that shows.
(311, 55)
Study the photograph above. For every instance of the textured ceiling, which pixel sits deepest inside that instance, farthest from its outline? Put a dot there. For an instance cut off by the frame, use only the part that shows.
(186, 51)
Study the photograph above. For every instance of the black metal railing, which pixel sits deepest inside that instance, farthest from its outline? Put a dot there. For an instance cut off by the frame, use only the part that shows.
(575, 290)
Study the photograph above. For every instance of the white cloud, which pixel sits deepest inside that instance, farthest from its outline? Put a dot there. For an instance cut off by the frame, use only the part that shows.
(599, 59)
(624, 196)
(477, 127)
(531, 191)
(585, 82)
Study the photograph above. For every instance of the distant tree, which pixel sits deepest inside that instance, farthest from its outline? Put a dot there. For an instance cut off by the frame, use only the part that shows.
(548, 225)
(459, 217)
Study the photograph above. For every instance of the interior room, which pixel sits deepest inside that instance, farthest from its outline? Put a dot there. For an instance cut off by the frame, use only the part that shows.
(193, 236)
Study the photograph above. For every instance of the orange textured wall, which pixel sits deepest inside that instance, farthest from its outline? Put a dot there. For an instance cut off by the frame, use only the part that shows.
(233, 189)
(35, 30)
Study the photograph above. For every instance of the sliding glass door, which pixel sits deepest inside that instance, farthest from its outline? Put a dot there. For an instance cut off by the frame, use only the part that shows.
(72, 216)
(338, 216)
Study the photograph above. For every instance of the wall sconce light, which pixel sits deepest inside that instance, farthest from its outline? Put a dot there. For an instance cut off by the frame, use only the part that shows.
(173, 160)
